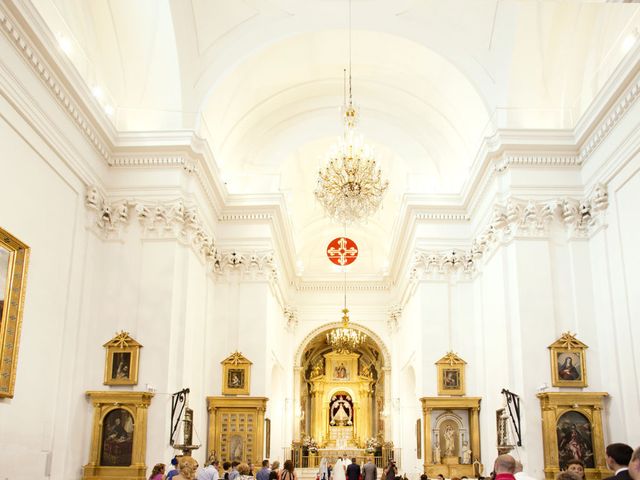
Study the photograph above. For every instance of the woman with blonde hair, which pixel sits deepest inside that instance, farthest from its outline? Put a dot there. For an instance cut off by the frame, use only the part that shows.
(187, 467)
(245, 471)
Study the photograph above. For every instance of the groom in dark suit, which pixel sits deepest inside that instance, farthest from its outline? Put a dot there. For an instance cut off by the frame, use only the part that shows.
(353, 470)
(618, 456)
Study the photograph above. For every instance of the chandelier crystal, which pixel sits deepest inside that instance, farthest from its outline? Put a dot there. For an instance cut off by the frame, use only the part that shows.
(350, 187)
(344, 339)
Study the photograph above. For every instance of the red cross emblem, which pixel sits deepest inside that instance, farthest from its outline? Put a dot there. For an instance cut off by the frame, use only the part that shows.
(342, 251)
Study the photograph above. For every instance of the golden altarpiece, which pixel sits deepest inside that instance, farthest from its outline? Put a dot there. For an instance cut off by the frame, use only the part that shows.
(119, 437)
(572, 428)
(236, 428)
(451, 429)
(341, 401)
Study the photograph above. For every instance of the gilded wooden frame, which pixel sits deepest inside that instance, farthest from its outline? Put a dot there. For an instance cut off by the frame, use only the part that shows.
(224, 415)
(236, 375)
(122, 360)
(136, 404)
(588, 404)
(418, 439)
(13, 292)
(568, 362)
(451, 380)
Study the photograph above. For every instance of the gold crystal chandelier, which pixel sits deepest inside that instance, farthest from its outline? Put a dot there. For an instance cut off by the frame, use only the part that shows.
(345, 339)
(350, 187)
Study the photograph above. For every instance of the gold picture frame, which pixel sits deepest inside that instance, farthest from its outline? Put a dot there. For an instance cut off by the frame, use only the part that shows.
(14, 261)
(119, 436)
(572, 425)
(451, 378)
(122, 360)
(568, 362)
(236, 375)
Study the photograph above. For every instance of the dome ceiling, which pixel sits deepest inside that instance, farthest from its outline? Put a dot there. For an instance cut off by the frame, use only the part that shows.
(261, 81)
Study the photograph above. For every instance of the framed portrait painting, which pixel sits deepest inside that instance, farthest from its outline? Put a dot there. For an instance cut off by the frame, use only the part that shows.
(568, 362)
(121, 364)
(451, 375)
(14, 260)
(236, 370)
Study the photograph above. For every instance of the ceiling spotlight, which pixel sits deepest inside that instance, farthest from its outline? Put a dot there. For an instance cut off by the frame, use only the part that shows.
(65, 44)
(97, 92)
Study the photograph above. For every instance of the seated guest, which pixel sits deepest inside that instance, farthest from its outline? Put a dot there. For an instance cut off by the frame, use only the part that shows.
(158, 472)
(576, 466)
(618, 456)
(519, 474)
(226, 466)
(233, 473)
(424, 476)
(634, 465)
(245, 471)
(275, 471)
(187, 466)
(174, 471)
(264, 472)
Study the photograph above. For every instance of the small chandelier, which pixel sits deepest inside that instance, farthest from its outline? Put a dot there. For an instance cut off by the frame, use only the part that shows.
(345, 339)
(350, 187)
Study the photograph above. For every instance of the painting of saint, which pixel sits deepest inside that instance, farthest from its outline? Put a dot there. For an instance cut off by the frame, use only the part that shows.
(117, 439)
(569, 366)
(340, 372)
(121, 366)
(451, 379)
(574, 439)
(235, 378)
(236, 446)
(4, 270)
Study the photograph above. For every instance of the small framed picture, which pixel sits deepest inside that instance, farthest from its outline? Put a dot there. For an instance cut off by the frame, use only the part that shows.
(121, 363)
(451, 375)
(236, 370)
(568, 362)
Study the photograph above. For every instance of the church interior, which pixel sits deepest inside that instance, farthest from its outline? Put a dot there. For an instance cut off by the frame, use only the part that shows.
(301, 229)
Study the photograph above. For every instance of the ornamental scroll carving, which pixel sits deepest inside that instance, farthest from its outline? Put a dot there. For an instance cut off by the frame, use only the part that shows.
(517, 217)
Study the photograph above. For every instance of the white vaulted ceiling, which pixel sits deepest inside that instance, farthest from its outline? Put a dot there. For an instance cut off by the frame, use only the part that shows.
(261, 81)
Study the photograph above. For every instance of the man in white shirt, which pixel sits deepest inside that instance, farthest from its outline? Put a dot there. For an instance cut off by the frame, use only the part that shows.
(519, 474)
(210, 472)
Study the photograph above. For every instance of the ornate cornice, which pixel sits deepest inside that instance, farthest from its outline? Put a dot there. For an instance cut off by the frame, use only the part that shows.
(256, 264)
(516, 218)
(506, 160)
(353, 286)
(613, 117)
(174, 219)
(58, 88)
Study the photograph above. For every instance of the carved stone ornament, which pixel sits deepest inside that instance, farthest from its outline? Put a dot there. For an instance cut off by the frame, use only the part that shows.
(291, 317)
(517, 217)
(393, 321)
(254, 263)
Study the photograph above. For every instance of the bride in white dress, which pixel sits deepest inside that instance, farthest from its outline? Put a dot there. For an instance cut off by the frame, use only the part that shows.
(338, 470)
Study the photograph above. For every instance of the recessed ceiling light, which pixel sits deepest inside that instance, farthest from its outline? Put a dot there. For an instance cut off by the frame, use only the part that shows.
(65, 44)
(97, 92)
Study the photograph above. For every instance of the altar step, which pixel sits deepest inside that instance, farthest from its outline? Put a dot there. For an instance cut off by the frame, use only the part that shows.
(310, 473)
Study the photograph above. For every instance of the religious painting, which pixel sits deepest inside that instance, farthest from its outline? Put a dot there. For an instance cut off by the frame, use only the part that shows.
(572, 428)
(236, 371)
(574, 439)
(117, 439)
(451, 375)
(568, 362)
(14, 259)
(341, 410)
(340, 372)
(121, 366)
(236, 448)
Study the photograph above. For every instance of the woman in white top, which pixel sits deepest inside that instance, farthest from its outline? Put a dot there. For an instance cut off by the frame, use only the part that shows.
(323, 472)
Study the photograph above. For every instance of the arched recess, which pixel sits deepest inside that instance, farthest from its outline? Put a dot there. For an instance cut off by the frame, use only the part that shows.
(373, 355)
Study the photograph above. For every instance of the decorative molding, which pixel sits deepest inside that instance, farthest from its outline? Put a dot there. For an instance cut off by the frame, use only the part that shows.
(616, 113)
(506, 160)
(61, 92)
(291, 317)
(521, 218)
(254, 263)
(393, 321)
(174, 219)
(333, 286)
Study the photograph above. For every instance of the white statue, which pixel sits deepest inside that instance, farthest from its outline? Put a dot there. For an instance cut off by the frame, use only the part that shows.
(448, 441)
(436, 454)
(466, 454)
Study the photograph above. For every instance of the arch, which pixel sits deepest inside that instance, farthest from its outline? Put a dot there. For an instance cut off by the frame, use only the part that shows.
(386, 355)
